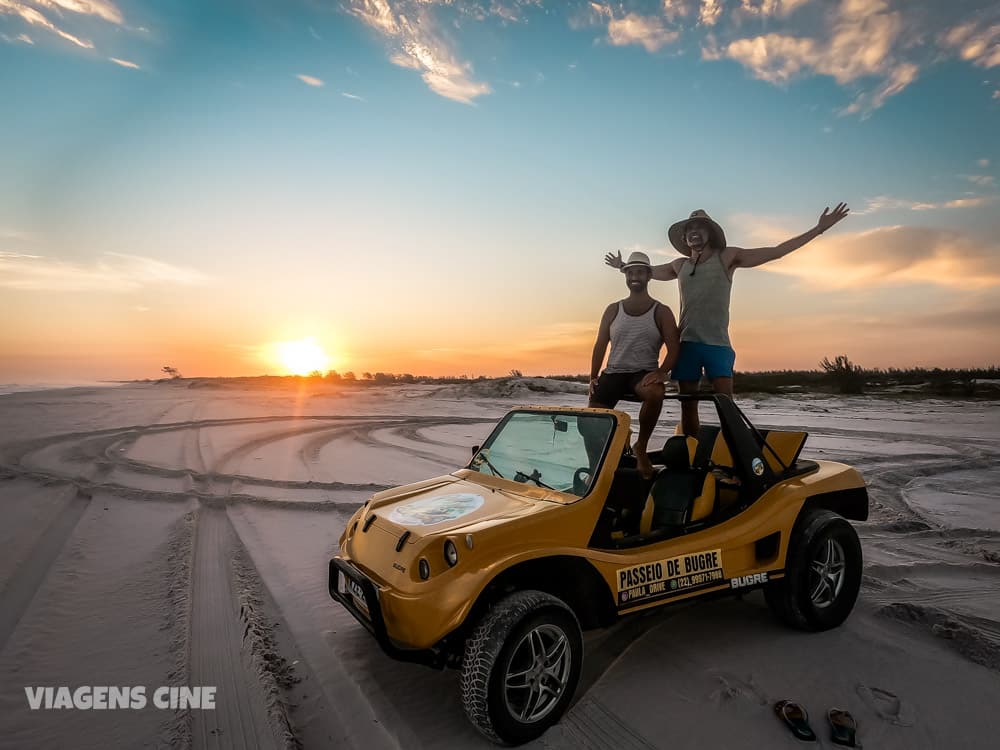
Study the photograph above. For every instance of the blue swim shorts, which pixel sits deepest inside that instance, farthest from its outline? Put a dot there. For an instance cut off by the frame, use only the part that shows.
(717, 361)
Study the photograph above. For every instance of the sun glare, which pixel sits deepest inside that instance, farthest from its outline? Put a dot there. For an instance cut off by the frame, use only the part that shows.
(302, 357)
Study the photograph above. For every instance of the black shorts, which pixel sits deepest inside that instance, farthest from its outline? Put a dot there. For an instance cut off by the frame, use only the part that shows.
(613, 386)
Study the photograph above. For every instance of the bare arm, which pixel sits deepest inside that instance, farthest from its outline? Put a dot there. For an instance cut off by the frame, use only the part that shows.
(672, 338)
(601, 344)
(668, 271)
(757, 256)
(663, 272)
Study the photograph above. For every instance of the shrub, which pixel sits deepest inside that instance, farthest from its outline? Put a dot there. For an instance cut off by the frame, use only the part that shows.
(846, 376)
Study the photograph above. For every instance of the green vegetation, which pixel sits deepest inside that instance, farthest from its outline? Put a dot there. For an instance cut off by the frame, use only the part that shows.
(846, 376)
(837, 376)
(843, 376)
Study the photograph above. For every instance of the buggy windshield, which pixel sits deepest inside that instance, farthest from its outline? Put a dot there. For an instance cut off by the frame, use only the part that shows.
(557, 451)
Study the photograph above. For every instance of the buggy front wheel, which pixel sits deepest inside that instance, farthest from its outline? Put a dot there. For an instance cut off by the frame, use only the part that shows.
(822, 573)
(521, 666)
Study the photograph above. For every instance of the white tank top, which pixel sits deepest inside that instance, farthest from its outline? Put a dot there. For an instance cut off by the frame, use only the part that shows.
(635, 341)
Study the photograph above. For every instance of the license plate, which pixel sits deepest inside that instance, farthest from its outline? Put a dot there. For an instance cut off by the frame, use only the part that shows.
(352, 587)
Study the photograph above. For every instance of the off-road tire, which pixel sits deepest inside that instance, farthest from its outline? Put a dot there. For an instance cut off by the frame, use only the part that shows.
(489, 650)
(790, 597)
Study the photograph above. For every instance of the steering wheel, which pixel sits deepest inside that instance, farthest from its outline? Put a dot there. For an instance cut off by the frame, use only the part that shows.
(581, 481)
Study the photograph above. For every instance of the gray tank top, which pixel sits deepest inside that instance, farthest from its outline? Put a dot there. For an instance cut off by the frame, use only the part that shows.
(635, 341)
(705, 301)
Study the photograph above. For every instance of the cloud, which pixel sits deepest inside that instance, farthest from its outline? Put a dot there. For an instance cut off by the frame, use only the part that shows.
(674, 9)
(419, 44)
(710, 12)
(755, 230)
(33, 17)
(649, 31)
(546, 350)
(19, 38)
(768, 8)
(888, 203)
(112, 272)
(30, 11)
(310, 80)
(124, 63)
(774, 58)
(353, 96)
(874, 48)
(996, 94)
(983, 163)
(983, 180)
(973, 202)
(975, 43)
(899, 78)
(894, 256)
(102, 9)
(859, 44)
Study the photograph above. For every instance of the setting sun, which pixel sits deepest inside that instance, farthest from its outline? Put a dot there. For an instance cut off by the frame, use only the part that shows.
(302, 357)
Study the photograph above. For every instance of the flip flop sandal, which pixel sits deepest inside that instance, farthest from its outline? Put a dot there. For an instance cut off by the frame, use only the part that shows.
(797, 719)
(843, 727)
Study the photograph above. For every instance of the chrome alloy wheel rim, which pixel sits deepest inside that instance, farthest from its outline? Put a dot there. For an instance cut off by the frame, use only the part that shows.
(537, 673)
(827, 572)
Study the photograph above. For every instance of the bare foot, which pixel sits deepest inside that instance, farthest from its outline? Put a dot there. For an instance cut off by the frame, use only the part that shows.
(642, 462)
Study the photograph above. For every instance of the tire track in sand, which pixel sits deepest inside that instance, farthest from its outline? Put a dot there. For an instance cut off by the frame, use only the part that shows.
(240, 718)
(22, 586)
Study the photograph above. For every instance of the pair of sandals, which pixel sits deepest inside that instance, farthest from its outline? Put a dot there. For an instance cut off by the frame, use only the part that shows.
(843, 727)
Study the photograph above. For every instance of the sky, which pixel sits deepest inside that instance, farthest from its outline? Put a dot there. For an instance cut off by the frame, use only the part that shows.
(430, 186)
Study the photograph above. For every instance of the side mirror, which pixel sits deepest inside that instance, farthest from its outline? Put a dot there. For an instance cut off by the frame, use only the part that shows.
(475, 450)
(561, 425)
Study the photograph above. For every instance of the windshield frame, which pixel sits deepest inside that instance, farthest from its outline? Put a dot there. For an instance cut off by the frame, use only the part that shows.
(470, 472)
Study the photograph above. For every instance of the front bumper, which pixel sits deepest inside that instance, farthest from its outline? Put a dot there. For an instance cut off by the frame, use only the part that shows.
(373, 619)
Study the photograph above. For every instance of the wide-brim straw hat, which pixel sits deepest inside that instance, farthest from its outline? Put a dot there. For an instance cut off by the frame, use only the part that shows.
(716, 237)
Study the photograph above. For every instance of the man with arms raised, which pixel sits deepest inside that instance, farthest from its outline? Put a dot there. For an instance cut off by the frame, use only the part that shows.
(705, 277)
(637, 327)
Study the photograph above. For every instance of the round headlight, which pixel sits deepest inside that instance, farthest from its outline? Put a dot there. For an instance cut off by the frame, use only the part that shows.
(450, 553)
(425, 569)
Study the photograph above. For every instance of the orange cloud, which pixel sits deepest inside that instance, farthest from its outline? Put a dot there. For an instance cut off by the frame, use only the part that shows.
(112, 272)
(894, 256)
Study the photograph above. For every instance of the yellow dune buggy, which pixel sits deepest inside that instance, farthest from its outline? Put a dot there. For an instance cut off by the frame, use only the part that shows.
(496, 568)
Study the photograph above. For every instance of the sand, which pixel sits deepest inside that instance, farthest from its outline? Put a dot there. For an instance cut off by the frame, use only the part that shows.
(177, 534)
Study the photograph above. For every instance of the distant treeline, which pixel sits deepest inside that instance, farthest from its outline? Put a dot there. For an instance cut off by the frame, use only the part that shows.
(847, 378)
(839, 375)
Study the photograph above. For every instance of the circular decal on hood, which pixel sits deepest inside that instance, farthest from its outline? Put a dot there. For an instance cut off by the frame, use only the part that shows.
(431, 510)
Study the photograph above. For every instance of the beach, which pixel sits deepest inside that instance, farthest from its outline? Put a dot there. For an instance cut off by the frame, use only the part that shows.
(178, 533)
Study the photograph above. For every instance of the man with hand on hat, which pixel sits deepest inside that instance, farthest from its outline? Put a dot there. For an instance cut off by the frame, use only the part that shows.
(637, 327)
(705, 276)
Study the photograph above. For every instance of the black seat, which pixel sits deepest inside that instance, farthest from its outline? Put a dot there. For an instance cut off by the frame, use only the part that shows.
(623, 508)
(681, 493)
(707, 435)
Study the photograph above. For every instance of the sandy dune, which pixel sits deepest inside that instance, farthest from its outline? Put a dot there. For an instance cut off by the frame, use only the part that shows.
(178, 533)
